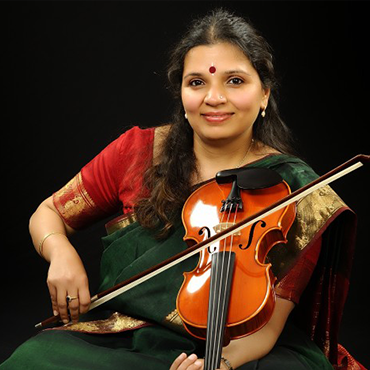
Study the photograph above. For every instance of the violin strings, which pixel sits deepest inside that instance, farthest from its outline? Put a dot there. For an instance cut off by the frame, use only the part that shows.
(217, 316)
(210, 357)
(211, 321)
(214, 308)
(224, 284)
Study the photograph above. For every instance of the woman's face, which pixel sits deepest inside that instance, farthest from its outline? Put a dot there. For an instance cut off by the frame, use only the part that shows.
(221, 93)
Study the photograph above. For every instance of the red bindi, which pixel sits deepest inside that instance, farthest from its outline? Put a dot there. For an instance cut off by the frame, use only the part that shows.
(212, 69)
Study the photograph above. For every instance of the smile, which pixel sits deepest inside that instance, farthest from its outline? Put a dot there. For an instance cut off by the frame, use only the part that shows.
(217, 116)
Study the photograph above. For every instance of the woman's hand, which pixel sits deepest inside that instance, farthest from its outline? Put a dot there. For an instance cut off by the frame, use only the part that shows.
(67, 277)
(184, 362)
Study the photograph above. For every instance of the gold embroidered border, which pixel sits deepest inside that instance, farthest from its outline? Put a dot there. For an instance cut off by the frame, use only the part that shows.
(116, 323)
(313, 211)
(120, 222)
(173, 321)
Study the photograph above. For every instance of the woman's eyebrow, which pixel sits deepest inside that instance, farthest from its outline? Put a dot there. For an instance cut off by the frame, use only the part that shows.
(236, 71)
(193, 74)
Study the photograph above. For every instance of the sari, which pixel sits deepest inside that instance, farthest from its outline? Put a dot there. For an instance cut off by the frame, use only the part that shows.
(142, 329)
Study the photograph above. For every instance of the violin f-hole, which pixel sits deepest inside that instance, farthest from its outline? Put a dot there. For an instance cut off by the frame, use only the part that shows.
(207, 231)
(251, 233)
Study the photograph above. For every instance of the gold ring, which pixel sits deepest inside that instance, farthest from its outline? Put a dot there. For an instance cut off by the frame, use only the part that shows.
(70, 299)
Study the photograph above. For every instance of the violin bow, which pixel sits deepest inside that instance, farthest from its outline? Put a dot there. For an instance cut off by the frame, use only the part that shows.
(331, 176)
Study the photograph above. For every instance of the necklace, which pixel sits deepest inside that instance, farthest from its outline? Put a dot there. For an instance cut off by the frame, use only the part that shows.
(246, 154)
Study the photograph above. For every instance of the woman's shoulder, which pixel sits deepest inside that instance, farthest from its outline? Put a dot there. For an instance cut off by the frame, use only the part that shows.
(134, 140)
(140, 142)
(137, 134)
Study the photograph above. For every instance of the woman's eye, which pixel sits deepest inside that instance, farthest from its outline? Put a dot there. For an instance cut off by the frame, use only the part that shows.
(235, 81)
(196, 82)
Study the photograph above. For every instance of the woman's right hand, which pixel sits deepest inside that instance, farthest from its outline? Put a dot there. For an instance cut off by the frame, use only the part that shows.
(67, 277)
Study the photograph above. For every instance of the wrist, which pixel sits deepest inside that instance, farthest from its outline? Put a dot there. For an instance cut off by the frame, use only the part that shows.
(226, 364)
(43, 240)
(53, 245)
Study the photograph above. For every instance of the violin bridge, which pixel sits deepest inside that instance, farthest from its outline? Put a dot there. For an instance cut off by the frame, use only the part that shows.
(223, 226)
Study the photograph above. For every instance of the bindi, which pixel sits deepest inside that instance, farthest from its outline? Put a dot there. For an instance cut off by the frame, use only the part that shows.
(212, 69)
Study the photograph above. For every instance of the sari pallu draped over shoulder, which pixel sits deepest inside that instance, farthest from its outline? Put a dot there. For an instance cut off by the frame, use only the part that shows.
(323, 223)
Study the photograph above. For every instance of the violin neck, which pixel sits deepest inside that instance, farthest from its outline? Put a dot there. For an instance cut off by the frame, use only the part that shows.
(222, 268)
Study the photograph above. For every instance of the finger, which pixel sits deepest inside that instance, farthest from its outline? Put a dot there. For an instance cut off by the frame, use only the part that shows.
(178, 361)
(62, 305)
(53, 295)
(198, 365)
(84, 299)
(190, 363)
(73, 306)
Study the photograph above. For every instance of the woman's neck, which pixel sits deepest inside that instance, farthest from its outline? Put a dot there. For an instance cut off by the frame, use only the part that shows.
(213, 157)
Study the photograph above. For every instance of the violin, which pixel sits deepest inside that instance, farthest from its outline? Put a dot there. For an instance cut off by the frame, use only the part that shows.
(232, 285)
(229, 232)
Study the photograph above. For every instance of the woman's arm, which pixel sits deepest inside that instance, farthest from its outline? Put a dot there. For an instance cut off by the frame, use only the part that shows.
(260, 343)
(252, 347)
(67, 275)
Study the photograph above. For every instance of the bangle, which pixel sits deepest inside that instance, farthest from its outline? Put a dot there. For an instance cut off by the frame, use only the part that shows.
(41, 244)
(227, 363)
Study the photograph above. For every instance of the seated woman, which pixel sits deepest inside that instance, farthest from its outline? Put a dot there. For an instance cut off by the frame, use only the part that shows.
(223, 81)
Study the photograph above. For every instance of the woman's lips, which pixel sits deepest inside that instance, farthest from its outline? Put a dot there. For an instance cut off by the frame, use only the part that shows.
(216, 116)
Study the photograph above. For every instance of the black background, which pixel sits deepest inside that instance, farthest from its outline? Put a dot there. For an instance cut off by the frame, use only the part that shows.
(77, 74)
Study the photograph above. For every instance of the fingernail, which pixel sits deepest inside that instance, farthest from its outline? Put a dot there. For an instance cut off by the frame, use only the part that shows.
(65, 321)
(56, 313)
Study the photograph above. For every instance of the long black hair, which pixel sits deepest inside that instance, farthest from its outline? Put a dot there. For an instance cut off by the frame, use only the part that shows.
(169, 181)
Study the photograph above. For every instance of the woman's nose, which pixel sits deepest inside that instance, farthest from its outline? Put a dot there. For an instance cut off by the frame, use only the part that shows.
(215, 97)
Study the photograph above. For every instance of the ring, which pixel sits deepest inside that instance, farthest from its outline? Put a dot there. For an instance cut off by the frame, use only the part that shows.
(70, 299)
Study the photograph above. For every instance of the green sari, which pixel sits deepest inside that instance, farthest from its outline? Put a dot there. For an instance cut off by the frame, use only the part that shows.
(141, 328)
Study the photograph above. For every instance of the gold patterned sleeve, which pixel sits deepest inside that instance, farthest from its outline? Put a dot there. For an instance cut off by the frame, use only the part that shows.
(75, 205)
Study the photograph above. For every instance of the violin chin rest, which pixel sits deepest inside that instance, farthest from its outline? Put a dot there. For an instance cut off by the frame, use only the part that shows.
(249, 178)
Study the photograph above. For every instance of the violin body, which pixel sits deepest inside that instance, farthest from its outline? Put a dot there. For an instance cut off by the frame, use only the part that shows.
(252, 297)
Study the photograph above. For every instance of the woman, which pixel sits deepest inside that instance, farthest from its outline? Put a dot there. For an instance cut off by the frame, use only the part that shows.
(222, 77)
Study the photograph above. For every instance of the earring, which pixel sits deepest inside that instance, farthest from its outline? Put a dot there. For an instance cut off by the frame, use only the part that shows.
(186, 116)
(263, 113)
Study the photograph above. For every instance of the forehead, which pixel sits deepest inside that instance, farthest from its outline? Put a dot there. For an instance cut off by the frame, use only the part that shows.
(222, 56)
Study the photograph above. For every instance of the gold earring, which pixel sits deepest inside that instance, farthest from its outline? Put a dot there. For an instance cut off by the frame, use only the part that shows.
(263, 113)
(186, 116)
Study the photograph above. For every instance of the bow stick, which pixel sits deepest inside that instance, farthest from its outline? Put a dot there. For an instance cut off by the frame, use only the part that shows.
(105, 296)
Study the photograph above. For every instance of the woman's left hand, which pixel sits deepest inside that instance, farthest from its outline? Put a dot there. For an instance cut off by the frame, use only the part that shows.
(184, 362)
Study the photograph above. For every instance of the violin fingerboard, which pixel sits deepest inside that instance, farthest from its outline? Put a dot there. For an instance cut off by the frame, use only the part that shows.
(219, 295)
